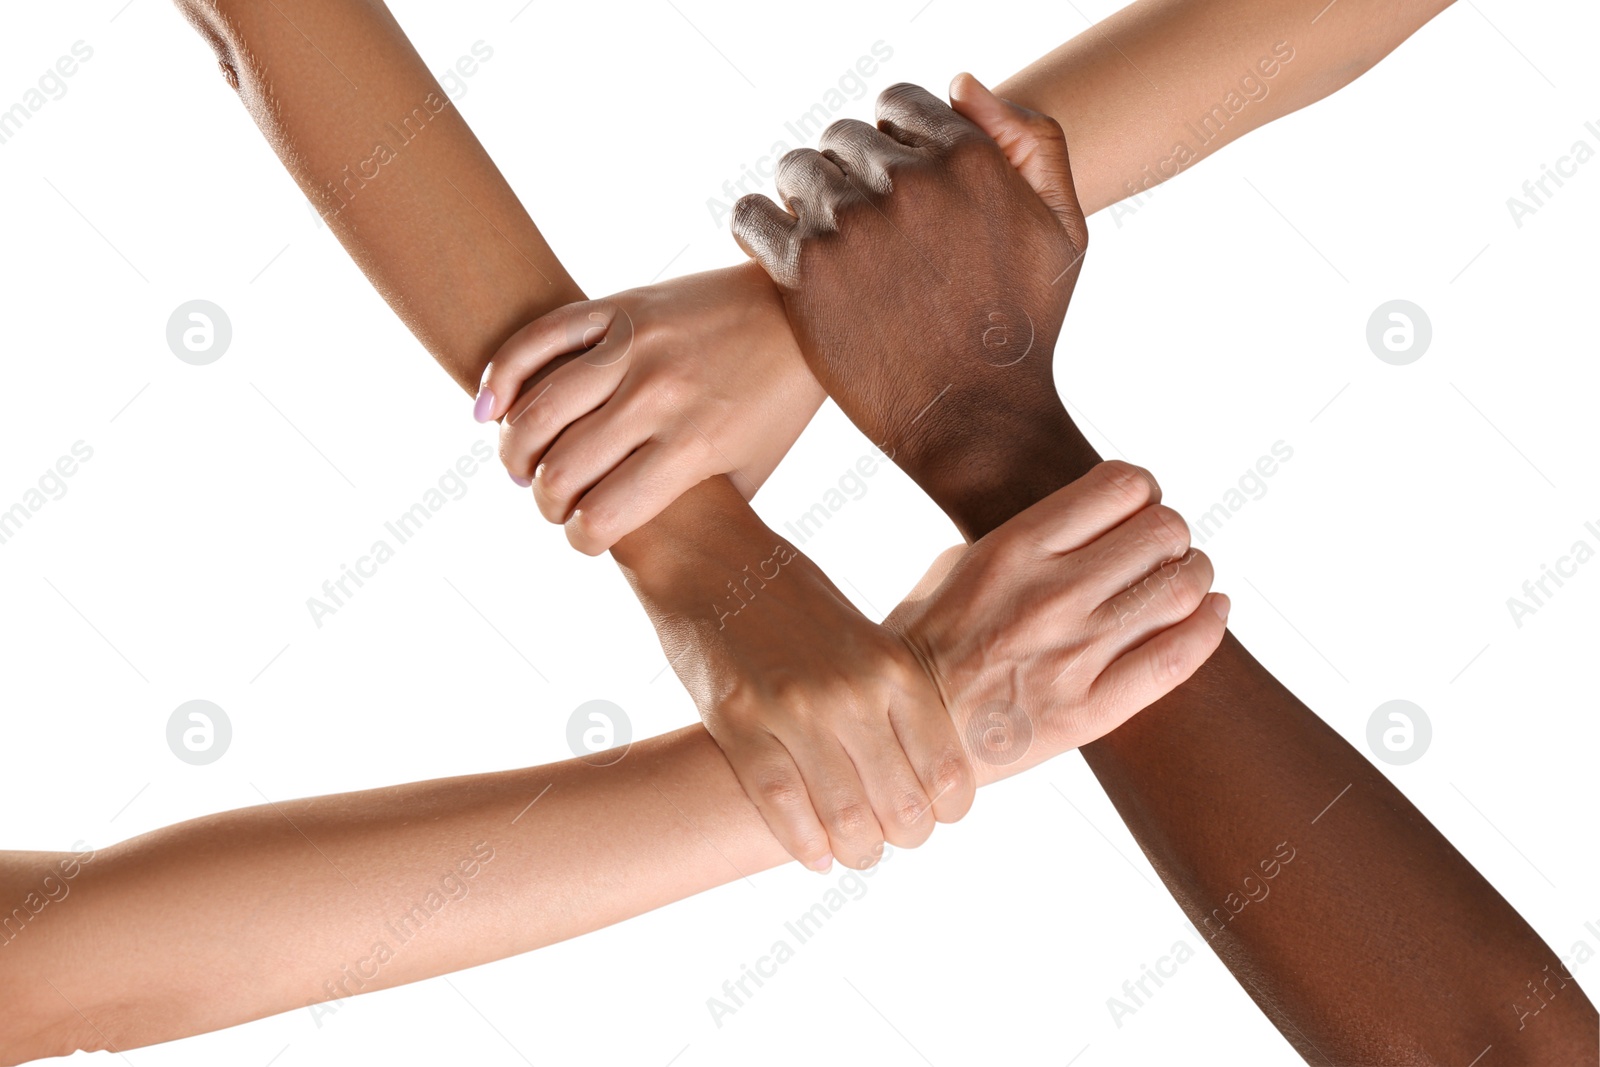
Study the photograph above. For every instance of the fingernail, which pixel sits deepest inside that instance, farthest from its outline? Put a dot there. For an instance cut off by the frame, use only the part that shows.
(482, 406)
(524, 482)
(823, 864)
(1221, 605)
(537, 471)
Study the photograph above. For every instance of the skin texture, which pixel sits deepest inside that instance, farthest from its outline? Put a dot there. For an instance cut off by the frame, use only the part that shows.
(520, 859)
(1381, 943)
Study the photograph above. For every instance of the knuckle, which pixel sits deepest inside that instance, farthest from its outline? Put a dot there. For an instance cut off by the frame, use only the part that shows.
(1166, 530)
(555, 503)
(843, 132)
(911, 811)
(747, 211)
(553, 481)
(782, 791)
(591, 529)
(796, 168)
(1169, 663)
(853, 820)
(1129, 485)
(1045, 125)
(899, 93)
(952, 775)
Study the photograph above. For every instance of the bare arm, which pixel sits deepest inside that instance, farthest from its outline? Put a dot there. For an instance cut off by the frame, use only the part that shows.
(247, 913)
(1162, 84)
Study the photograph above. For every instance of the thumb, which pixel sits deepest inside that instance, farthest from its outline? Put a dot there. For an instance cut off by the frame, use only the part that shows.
(1032, 142)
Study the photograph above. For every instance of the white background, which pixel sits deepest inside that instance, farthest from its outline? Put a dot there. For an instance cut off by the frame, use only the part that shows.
(1226, 314)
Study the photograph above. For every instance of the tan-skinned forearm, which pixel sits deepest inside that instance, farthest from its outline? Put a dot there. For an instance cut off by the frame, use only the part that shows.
(437, 231)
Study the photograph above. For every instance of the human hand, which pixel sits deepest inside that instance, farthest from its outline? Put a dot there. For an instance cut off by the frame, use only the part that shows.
(1055, 628)
(830, 722)
(926, 271)
(613, 408)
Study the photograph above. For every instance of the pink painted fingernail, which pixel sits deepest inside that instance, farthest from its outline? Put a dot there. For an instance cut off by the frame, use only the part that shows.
(823, 864)
(1221, 605)
(482, 406)
(524, 482)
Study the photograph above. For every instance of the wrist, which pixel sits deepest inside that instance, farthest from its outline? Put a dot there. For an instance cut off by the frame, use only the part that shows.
(1004, 460)
(684, 558)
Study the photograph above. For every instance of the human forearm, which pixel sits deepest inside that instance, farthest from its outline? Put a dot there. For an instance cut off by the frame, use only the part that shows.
(387, 166)
(1162, 84)
(436, 209)
(1378, 942)
(244, 914)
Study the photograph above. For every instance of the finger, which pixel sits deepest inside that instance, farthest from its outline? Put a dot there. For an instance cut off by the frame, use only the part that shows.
(766, 233)
(915, 117)
(813, 187)
(864, 153)
(1167, 595)
(573, 328)
(773, 783)
(1132, 552)
(903, 808)
(1143, 675)
(1033, 143)
(1081, 511)
(540, 415)
(840, 800)
(929, 739)
(586, 452)
(641, 487)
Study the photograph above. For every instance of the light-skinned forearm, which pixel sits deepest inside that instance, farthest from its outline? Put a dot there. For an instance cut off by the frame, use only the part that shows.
(235, 916)
(1161, 84)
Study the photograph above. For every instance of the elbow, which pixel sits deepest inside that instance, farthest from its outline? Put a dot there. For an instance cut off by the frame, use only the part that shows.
(212, 21)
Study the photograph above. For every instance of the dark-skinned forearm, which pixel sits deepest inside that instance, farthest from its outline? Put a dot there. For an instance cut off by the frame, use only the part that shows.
(1378, 942)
